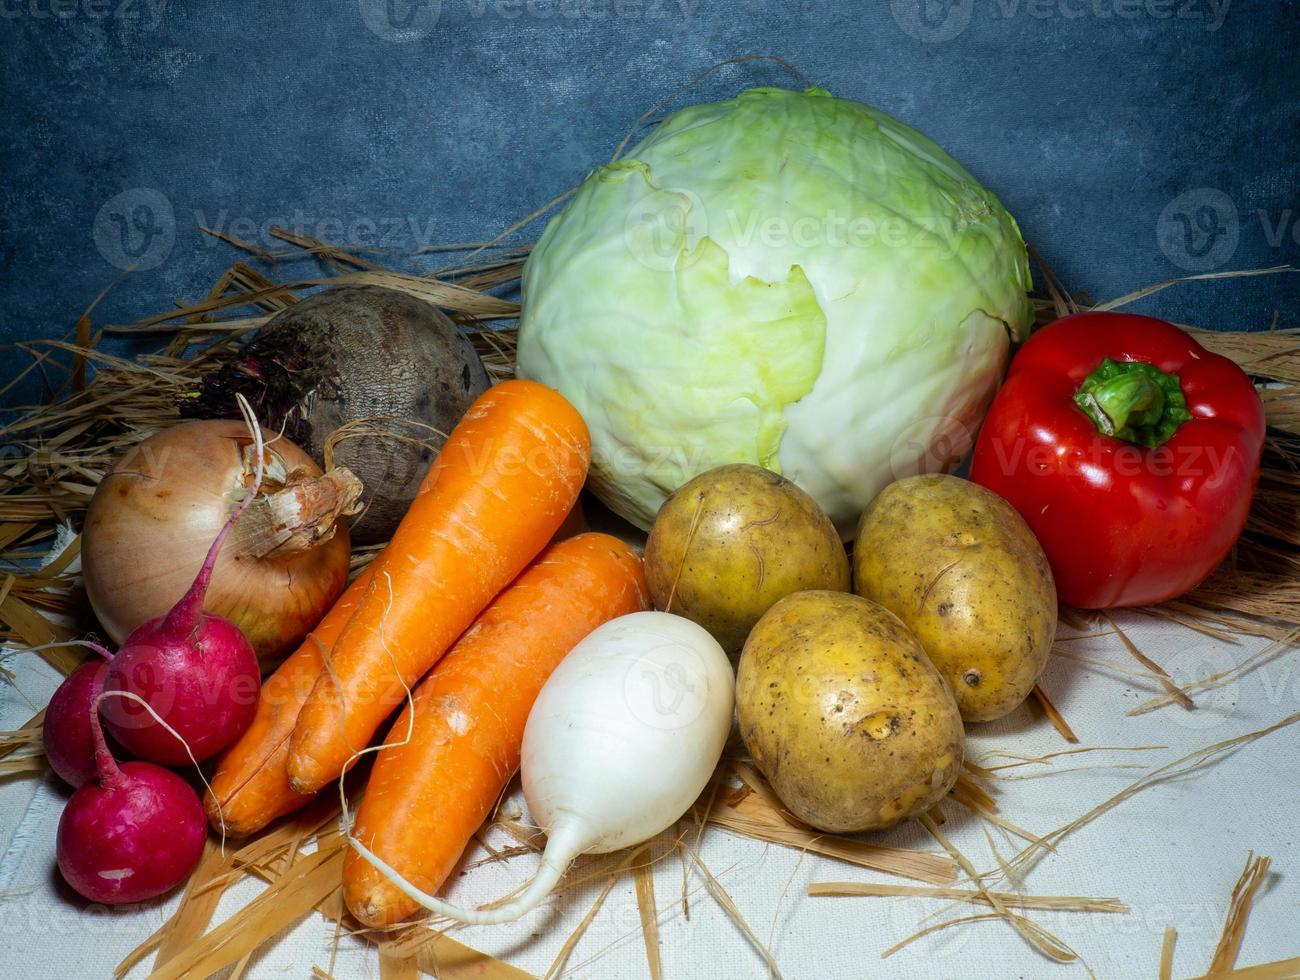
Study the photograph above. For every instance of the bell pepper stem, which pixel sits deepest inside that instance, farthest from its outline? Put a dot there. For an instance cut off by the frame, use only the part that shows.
(1133, 401)
(1129, 396)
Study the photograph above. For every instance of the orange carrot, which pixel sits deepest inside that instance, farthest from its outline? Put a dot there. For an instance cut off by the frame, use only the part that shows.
(574, 524)
(500, 488)
(251, 785)
(427, 797)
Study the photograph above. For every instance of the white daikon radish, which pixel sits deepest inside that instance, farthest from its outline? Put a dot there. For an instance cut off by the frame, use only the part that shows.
(621, 741)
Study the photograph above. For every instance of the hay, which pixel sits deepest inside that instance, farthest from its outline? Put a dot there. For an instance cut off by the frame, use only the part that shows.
(1042, 903)
(1259, 658)
(643, 876)
(1203, 756)
(1167, 953)
(1158, 672)
(1234, 924)
(759, 814)
(53, 455)
(1053, 715)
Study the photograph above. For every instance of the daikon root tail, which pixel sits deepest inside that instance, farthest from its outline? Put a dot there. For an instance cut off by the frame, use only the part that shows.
(564, 844)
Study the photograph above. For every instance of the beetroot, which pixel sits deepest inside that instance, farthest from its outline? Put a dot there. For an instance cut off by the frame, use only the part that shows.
(195, 670)
(69, 747)
(133, 834)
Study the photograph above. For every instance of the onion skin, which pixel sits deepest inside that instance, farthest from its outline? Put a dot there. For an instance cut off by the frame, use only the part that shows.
(156, 512)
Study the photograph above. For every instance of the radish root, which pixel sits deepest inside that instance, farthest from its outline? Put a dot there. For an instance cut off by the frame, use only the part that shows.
(345, 815)
(132, 696)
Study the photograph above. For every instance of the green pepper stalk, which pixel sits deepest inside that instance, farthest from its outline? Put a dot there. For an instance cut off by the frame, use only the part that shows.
(1133, 401)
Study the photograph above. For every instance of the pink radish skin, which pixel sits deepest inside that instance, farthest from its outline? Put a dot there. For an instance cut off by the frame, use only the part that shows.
(131, 838)
(69, 747)
(196, 670)
(134, 834)
(204, 684)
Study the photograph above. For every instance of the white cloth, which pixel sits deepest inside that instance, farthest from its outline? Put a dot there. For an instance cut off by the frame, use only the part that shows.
(1173, 853)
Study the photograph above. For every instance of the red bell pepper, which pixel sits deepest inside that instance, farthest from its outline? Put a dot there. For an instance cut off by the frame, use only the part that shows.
(1131, 451)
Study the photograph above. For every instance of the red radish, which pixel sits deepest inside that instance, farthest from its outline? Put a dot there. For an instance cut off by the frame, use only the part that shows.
(197, 671)
(133, 834)
(65, 733)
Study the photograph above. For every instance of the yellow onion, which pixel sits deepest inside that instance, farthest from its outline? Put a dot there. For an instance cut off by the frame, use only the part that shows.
(155, 514)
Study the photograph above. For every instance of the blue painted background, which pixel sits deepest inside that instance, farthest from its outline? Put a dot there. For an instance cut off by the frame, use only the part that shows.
(1134, 140)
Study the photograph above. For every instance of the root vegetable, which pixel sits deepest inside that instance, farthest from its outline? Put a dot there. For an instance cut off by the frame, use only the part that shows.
(382, 373)
(194, 669)
(731, 542)
(133, 834)
(251, 785)
(621, 741)
(155, 513)
(65, 732)
(844, 713)
(501, 487)
(448, 758)
(963, 571)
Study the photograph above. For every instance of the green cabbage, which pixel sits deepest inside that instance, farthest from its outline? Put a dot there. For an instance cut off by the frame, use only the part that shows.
(786, 279)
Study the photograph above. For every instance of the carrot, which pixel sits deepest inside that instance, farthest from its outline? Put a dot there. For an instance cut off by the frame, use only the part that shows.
(427, 797)
(251, 785)
(500, 488)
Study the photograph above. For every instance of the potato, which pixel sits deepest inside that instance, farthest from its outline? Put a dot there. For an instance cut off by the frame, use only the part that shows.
(733, 541)
(961, 568)
(845, 715)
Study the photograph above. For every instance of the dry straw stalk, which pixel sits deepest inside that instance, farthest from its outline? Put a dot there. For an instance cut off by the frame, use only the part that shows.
(52, 456)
